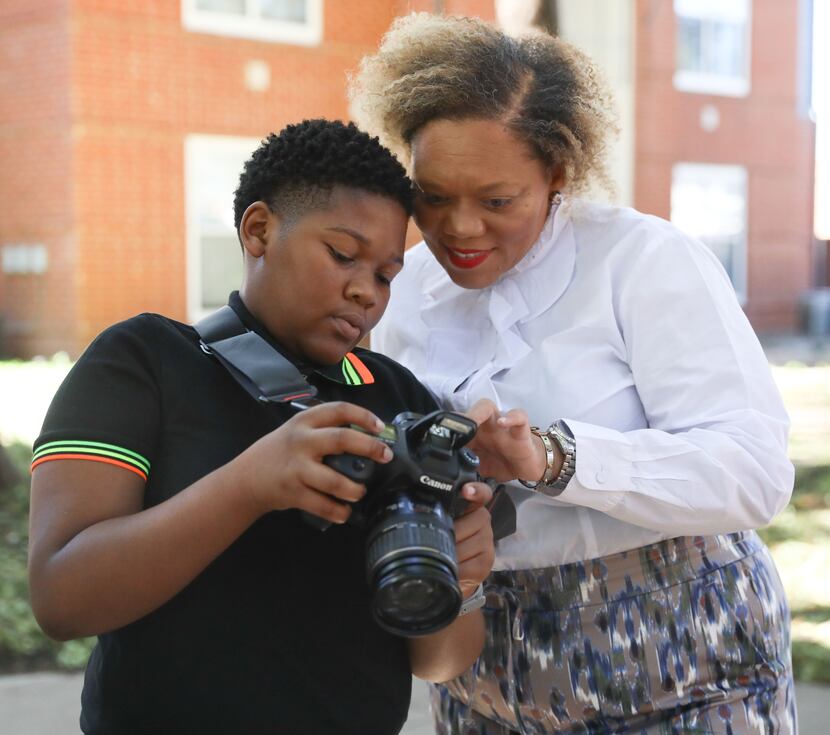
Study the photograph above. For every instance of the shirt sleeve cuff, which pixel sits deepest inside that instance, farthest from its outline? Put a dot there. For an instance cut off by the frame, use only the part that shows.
(602, 460)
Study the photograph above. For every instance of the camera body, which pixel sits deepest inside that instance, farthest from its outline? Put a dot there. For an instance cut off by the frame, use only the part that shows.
(429, 462)
(408, 511)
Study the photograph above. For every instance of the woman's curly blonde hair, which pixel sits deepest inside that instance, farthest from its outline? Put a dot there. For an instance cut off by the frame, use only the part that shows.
(548, 92)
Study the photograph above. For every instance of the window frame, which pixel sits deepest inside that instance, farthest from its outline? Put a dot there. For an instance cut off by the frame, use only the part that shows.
(701, 171)
(196, 147)
(696, 82)
(254, 27)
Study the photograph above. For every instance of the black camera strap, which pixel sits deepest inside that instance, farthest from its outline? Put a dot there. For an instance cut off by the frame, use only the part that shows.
(261, 370)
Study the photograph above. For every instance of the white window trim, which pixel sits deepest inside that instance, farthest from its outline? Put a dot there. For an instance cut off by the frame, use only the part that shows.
(194, 146)
(309, 33)
(716, 84)
(741, 275)
(697, 83)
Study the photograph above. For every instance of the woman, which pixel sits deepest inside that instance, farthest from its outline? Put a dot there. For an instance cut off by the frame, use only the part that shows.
(634, 596)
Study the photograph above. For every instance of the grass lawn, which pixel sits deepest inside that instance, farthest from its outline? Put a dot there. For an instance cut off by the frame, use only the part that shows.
(799, 538)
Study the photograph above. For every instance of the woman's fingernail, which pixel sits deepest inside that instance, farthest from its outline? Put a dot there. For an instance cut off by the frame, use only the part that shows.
(387, 454)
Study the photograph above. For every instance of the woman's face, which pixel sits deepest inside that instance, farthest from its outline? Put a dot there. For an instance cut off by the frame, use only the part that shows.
(482, 197)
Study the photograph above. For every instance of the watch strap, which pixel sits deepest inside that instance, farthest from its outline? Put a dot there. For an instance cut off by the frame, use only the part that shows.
(550, 458)
(474, 601)
(558, 433)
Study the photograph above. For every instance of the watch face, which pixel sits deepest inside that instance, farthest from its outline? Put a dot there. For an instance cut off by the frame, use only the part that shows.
(563, 429)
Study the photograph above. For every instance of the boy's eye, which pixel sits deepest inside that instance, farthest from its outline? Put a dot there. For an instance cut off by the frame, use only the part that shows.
(385, 280)
(338, 256)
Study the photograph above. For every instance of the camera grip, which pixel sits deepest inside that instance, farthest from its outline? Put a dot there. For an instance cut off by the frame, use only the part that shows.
(458, 506)
(354, 467)
(357, 468)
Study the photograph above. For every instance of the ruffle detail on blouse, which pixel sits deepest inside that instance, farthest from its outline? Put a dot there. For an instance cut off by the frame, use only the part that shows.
(476, 334)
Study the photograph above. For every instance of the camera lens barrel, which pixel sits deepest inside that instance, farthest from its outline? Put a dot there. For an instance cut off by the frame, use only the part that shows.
(412, 567)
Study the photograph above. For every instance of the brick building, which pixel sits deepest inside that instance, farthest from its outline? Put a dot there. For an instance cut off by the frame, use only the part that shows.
(124, 124)
(724, 143)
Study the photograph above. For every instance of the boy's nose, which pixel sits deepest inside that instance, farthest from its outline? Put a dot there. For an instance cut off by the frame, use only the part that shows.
(362, 290)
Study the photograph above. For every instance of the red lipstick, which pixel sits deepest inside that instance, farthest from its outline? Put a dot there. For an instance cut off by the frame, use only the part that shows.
(467, 258)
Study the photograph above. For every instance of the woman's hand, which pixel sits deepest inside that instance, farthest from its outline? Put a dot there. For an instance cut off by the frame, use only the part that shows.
(504, 444)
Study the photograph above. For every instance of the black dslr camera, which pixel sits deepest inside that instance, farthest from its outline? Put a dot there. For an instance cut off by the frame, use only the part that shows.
(408, 510)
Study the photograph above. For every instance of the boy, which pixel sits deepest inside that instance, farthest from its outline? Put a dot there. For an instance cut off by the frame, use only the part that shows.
(164, 499)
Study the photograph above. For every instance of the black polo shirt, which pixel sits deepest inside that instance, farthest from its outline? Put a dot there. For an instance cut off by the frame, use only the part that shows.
(275, 636)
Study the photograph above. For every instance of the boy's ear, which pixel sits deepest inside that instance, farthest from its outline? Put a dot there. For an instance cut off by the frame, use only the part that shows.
(257, 228)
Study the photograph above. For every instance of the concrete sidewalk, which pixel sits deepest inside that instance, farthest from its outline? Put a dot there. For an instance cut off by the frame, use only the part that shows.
(49, 704)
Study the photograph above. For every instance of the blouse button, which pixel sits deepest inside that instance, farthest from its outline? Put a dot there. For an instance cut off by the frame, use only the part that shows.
(600, 477)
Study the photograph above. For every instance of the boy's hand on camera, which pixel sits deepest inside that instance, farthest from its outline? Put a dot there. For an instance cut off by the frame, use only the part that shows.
(504, 444)
(474, 543)
(285, 468)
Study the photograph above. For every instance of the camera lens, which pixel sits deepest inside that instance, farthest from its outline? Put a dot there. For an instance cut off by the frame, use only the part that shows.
(412, 568)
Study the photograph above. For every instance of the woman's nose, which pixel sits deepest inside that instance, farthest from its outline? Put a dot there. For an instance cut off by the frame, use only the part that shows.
(463, 222)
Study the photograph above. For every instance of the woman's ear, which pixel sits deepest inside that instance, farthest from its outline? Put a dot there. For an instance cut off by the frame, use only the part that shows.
(557, 180)
(257, 227)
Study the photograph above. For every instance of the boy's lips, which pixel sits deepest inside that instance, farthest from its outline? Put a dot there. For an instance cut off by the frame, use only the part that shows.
(463, 258)
(351, 326)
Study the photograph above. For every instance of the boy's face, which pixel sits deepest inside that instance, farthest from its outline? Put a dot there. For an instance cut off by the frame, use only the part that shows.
(320, 284)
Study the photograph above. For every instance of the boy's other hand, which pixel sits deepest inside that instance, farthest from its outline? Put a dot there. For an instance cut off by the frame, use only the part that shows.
(474, 544)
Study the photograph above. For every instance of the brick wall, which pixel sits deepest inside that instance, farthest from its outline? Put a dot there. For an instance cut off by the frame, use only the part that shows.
(36, 183)
(763, 132)
(97, 98)
(142, 84)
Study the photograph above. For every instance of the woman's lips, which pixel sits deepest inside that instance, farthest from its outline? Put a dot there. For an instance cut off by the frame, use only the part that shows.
(467, 258)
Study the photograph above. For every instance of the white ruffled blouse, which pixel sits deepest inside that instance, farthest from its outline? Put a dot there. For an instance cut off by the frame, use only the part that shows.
(629, 331)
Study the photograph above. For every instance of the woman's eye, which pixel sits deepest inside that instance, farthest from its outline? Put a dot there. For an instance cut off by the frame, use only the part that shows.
(338, 256)
(432, 199)
(498, 202)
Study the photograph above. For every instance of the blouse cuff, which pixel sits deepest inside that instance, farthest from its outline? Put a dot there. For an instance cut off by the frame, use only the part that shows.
(600, 479)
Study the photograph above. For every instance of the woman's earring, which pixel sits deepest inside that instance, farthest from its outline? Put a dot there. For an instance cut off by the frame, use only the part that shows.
(556, 198)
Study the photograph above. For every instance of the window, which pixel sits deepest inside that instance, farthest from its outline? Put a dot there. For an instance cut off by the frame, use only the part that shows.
(713, 44)
(709, 201)
(281, 21)
(214, 255)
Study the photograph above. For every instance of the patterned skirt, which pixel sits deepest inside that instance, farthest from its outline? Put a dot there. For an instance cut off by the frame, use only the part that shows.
(689, 635)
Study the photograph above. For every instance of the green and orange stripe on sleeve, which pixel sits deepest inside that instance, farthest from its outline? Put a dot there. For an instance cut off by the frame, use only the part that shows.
(94, 451)
(355, 371)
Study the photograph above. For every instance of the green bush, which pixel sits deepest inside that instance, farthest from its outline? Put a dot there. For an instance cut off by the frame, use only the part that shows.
(23, 646)
(811, 662)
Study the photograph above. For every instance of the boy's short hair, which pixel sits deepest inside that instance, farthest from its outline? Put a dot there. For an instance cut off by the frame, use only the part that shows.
(295, 170)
